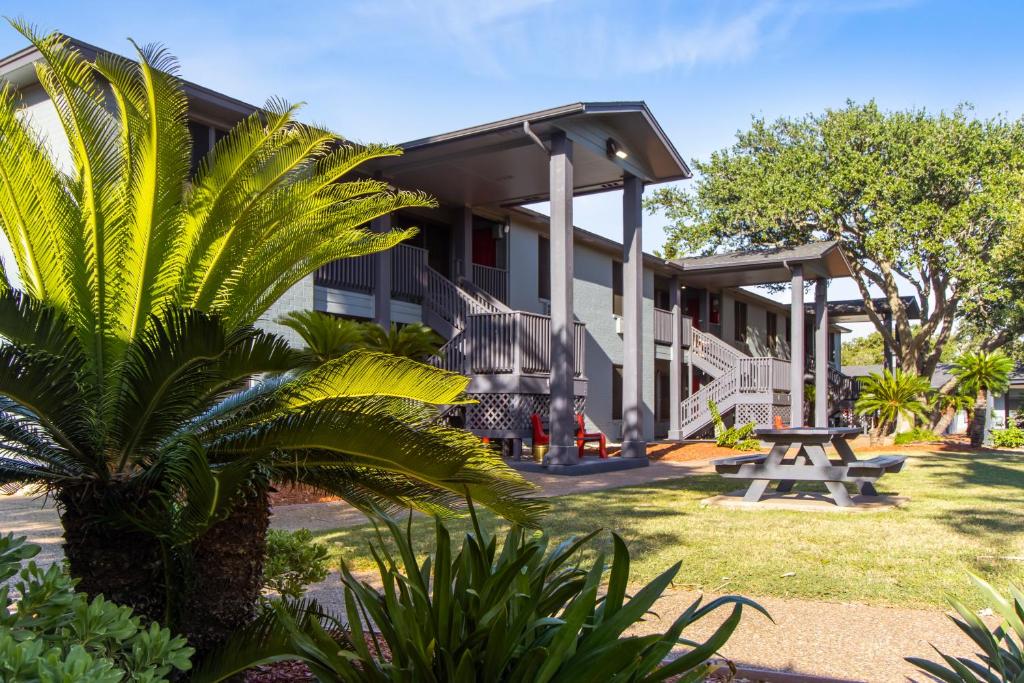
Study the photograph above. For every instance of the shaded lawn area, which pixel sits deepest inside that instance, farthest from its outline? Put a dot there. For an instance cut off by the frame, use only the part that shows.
(966, 513)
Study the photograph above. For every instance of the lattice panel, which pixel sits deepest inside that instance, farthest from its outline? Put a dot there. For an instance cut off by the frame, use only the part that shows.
(782, 411)
(758, 413)
(510, 413)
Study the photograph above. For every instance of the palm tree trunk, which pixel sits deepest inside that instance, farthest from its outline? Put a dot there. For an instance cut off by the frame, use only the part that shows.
(217, 585)
(227, 574)
(124, 566)
(944, 421)
(978, 420)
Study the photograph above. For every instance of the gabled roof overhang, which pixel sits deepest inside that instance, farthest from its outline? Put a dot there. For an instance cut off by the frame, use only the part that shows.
(503, 163)
(764, 266)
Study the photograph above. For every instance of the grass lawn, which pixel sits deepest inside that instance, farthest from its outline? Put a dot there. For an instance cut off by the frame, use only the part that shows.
(966, 513)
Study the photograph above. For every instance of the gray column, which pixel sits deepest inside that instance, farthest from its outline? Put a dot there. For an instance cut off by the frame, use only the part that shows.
(463, 243)
(796, 348)
(563, 420)
(675, 394)
(382, 278)
(889, 362)
(821, 353)
(633, 444)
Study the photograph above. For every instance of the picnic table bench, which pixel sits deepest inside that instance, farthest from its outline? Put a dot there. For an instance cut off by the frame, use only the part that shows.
(799, 455)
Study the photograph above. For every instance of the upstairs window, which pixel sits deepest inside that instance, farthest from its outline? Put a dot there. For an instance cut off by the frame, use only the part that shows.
(617, 287)
(772, 330)
(739, 309)
(616, 392)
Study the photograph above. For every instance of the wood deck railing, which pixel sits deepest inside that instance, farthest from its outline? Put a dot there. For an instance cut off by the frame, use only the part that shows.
(494, 281)
(663, 328)
(516, 342)
(408, 273)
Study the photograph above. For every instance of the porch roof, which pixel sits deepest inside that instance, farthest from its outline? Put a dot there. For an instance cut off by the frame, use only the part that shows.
(501, 164)
(764, 266)
(854, 310)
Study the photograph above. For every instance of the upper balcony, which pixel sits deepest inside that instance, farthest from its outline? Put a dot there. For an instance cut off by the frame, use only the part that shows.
(663, 328)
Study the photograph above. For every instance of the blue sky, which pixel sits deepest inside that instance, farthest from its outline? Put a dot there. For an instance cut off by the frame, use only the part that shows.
(393, 71)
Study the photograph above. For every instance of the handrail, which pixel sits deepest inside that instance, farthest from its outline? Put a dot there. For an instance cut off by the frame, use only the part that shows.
(517, 342)
(716, 352)
(482, 296)
(694, 411)
(408, 270)
(492, 280)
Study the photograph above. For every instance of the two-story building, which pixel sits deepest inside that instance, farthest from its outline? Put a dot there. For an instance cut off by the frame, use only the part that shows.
(550, 319)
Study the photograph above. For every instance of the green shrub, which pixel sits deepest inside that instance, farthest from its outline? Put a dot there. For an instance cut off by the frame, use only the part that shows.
(521, 611)
(916, 435)
(48, 632)
(294, 560)
(1001, 657)
(739, 438)
(1011, 437)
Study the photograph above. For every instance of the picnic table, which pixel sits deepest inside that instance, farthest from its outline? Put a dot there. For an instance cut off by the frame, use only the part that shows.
(798, 454)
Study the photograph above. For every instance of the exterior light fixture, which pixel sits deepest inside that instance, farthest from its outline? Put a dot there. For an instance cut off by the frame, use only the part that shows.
(615, 150)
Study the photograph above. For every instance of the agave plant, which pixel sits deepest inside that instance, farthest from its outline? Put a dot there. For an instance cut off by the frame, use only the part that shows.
(524, 612)
(1002, 648)
(983, 374)
(133, 385)
(892, 396)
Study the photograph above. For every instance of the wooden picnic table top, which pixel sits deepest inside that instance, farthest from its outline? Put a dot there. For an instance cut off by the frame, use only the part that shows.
(810, 434)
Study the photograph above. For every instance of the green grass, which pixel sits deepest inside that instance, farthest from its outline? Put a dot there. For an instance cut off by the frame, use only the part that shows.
(965, 510)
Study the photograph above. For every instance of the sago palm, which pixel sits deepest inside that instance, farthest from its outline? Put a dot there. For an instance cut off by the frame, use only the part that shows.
(326, 336)
(983, 374)
(892, 395)
(416, 341)
(133, 385)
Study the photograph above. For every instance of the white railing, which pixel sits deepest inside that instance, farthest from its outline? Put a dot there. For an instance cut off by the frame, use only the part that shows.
(694, 411)
(494, 281)
(715, 352)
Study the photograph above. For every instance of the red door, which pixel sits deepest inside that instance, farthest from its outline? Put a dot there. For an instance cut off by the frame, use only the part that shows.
(485, 248)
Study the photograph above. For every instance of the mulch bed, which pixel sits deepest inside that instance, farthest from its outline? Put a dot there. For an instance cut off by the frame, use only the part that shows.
(299, 495)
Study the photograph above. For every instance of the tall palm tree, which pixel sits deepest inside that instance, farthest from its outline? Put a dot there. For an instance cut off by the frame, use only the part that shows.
(891, 396)
(983, 374)
(134, 387)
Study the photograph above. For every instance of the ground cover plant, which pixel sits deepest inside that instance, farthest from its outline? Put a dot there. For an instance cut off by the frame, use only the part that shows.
(294, 560)
(522, 610)
(50, 632)
(965, 513)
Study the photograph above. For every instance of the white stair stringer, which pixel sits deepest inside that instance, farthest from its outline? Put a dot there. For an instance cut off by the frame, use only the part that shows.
(712, 355)
(724, 391)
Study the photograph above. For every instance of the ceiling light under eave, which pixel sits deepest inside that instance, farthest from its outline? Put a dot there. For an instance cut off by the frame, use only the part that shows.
(614, 149)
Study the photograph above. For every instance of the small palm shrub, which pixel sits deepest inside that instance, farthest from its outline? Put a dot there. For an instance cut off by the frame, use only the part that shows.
(981, 373)
(519, 611)
(1001, 659)
(916, 435)
(326, 336)
(293, 561)
(892, 395)
(1011, 437)
(48, 632)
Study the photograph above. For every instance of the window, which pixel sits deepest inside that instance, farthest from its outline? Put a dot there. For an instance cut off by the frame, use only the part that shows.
(543, 268)
(616, 392)
(772, 325)
(714, 309)
(617, 287)
(739, 310)
(789, 332)
(662, 393)
(203, 139)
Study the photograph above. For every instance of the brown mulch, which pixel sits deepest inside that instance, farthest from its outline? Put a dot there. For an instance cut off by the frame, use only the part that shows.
(299, 495)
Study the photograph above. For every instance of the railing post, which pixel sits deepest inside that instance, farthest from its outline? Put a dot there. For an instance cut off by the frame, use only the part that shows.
(382, 278)
(517, 347)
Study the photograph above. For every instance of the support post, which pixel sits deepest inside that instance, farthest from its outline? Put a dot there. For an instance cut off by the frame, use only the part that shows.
(463, 265)
(562, 450)
(382, 277)
(675, 394)
(633, 444)
(796, 349)
(821, 353)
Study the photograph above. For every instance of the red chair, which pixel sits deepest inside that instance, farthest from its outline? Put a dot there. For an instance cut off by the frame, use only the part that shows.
(777, 423)
(540, 437)
(582, 437)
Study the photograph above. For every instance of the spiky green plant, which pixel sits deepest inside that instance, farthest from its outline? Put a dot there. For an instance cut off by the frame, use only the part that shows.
(983, 373)
(416, 341)
(892, 395)
(133, 385)
(326, 336)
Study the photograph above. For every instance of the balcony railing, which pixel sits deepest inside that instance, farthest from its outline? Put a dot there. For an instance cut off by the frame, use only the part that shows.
(408, 273)
(494, 281)
(663, 328)
(516, 342)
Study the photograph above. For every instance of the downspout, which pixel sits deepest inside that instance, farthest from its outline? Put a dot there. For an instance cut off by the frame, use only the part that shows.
(533, 136)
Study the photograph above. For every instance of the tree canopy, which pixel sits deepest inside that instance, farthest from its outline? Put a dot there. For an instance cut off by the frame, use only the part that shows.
(931, 202)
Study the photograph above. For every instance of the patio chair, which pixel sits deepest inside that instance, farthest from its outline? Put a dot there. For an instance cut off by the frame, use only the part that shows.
(582, 437)
(540, 437)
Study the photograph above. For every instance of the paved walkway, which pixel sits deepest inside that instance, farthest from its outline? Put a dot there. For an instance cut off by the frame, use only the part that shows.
(849, 641)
